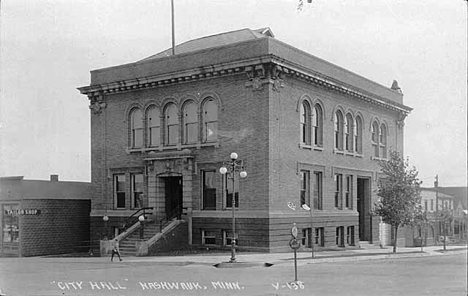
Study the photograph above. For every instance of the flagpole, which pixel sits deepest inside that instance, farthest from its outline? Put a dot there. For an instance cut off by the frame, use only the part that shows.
(173, 34)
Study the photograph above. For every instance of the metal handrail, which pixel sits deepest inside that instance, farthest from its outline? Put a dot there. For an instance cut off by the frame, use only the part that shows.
(135, 214)
(177, 212)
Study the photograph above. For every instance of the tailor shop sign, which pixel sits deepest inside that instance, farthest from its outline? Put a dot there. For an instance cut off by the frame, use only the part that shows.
(23, 212)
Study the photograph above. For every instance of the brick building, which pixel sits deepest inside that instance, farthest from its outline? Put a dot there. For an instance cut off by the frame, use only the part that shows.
(43, 217)
(307, 131)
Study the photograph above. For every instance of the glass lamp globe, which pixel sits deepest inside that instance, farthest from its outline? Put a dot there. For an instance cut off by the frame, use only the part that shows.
(234, 155)
(243, 174)
(223, 170)
(105, 218)
(141, 218)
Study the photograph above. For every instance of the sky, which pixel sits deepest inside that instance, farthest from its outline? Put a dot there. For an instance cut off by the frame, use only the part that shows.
(49, 47)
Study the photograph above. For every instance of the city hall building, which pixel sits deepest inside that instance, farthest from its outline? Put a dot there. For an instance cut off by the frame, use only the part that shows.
(306, 131)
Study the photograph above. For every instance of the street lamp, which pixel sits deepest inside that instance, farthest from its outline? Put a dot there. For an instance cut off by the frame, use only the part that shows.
(309, 209)
(232, 167)
(105, 219)
(142, 226)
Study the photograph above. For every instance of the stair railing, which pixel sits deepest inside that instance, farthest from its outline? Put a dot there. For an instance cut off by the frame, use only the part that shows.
(129, 220)
(177, 212)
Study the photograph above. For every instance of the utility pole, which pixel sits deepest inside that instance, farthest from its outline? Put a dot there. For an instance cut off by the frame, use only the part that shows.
(173, 29)
(436, 186)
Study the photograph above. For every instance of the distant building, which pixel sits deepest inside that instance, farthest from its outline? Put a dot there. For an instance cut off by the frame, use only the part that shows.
(460, 213)
(307, 131)
(455, 230)
(43, 217)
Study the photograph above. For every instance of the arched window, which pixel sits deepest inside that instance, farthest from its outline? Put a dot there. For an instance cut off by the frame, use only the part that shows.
(190, 123)
(305, 123)
(154, 130)
(338, 119)
(172, 125)
(375, 138)
(317, 125)
(136, 126)
(210, 121)
(358, 135)
(383, 141)
(349, 137)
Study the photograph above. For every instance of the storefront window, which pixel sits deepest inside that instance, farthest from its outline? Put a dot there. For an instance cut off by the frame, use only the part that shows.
(10, 224)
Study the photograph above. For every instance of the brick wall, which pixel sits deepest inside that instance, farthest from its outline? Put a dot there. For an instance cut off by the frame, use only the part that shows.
(61, 227)
(262, 126)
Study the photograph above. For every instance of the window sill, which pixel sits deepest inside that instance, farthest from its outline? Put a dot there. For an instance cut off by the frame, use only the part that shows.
(347, 153)
(336, 151)
(377, 158)
(173, 147)
(310, 147)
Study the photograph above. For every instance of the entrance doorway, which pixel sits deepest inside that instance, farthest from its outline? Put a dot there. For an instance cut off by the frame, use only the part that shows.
(364, 207)
(10, 229)
(173, 192)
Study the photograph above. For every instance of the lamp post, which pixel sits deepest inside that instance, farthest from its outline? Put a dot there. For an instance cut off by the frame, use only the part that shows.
(142, 226)
(232, 167)
(105, 219)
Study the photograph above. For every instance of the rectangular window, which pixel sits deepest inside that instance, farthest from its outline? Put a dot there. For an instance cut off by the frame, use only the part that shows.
(338, 191)
(307, 237)
(229, 191)
(349, 192)
(137, 190)
(432, 205)
(320, 236)
(10, 224)
(119, 191)
(209, 190)
(173, 134)
(191, 133)
(208, 238)
(318, 199)
(350, 235)
(339, 236)
(305, 187)
(425, 205)
(155, 134)
(137, 137)
(227, 238)
(211, 132)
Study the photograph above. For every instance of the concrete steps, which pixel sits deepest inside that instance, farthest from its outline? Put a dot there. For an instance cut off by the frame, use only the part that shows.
(368, 245)
(127, 246)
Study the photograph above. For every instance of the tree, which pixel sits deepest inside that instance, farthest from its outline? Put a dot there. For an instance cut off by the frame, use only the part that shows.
(423, 222)
(399, 194)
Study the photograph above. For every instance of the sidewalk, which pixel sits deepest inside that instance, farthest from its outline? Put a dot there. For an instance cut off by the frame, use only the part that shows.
(305, 257)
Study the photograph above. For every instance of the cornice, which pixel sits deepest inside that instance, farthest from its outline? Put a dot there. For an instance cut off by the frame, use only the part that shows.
(268, 74)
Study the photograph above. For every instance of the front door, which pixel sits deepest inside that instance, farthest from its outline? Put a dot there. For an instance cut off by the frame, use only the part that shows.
(173, 191)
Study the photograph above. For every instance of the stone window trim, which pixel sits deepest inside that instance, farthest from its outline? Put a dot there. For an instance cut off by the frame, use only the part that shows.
(178, 147)
(151, 124)
(136, 128)
(127, 172)
(305, 123)
(310, 147)
(312, 168)
(379, 139)
(204, 202)
(309, 167)
(208, 237)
